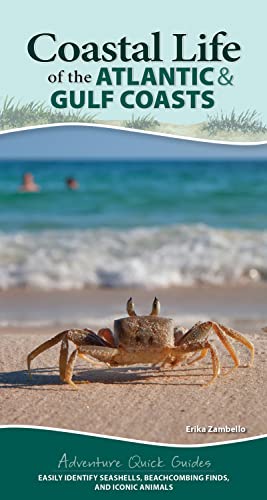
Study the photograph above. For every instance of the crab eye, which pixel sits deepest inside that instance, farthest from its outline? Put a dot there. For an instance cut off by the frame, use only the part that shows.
(150, 340)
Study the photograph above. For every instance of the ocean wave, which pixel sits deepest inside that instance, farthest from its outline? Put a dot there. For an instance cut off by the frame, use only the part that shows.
(140, 257)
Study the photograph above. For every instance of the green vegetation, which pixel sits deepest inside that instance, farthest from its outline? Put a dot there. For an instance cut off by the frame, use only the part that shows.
(147, 122)
(247, 122)
(18, 115)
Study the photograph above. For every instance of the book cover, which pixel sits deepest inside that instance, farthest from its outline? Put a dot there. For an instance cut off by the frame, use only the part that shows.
(133, 249)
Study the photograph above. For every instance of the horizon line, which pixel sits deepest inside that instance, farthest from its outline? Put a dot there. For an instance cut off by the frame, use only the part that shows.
(132, 160)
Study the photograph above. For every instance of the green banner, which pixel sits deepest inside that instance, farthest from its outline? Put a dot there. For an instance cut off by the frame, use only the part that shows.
(51, 464)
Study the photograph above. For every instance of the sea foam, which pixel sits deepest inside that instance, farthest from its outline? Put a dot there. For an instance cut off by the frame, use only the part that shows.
(142, 257)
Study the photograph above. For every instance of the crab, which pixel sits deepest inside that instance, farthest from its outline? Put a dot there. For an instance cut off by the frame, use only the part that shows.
(150, 339)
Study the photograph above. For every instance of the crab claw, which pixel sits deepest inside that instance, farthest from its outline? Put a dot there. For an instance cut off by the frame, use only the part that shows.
(107, 335)
(155, 307)
(130, 307)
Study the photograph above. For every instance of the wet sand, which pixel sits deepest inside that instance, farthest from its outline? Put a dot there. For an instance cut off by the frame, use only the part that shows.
(137, 403)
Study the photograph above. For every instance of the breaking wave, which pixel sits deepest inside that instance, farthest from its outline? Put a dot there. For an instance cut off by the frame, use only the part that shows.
(140, 257)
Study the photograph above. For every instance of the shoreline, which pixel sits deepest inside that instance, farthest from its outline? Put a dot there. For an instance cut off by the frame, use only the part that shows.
(98, 307)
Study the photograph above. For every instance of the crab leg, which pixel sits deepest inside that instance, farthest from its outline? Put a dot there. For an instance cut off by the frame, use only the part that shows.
(43, 347)
(102, 352)
(69, 369)
(204, 348)
(223, 338)
(202, 355)
(173, 360)
(215, 363)
(240, 338)
(91, 360)
(63, 358)
(78, 337)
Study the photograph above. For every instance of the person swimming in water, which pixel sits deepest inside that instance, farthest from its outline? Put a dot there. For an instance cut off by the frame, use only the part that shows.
(72, 183)
(28, 184)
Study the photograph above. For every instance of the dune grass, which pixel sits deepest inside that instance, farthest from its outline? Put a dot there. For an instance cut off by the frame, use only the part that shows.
(16, 115)
(247, 122)
(147, 122)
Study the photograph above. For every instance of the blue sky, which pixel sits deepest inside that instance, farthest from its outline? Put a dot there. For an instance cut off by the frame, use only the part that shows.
(79, 142)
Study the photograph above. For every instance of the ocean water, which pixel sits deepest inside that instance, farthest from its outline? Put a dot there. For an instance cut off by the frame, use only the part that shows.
(133, 224)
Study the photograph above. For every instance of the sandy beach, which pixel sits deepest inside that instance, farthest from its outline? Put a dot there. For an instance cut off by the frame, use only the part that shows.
(136, 402)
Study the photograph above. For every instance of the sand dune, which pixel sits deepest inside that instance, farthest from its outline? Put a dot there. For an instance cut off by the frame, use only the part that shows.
(197, 131)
